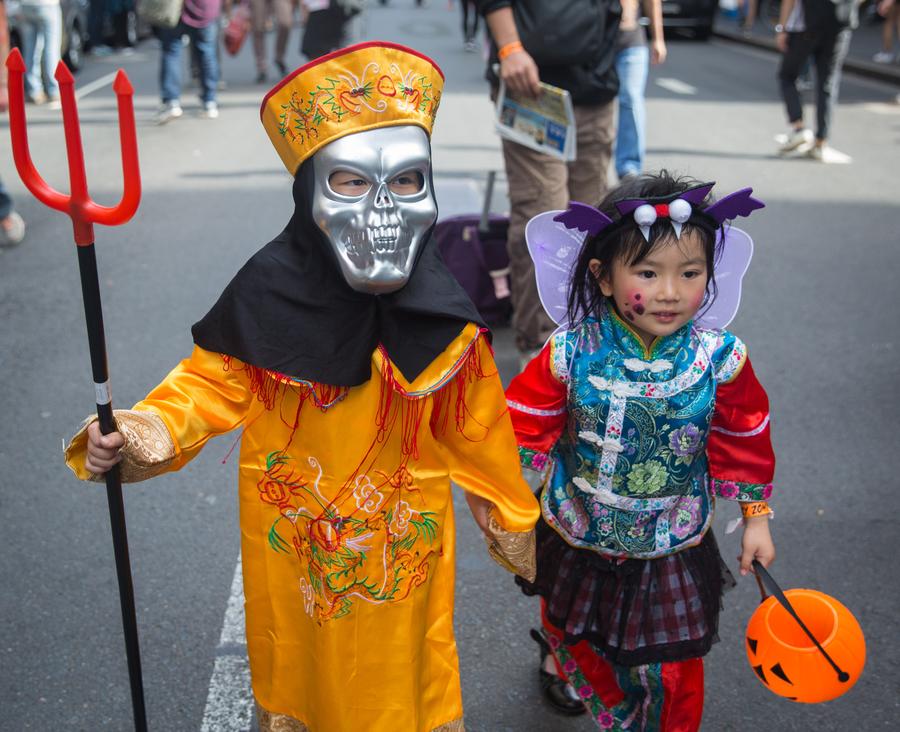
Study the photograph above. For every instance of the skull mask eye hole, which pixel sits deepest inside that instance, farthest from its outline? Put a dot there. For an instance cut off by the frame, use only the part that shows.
(348, 183)
(407, 183)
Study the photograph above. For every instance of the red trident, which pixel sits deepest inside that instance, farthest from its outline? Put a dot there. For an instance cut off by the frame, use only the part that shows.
(84, 214)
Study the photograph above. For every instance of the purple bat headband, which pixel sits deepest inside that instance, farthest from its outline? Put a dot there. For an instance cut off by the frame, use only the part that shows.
(679, 208)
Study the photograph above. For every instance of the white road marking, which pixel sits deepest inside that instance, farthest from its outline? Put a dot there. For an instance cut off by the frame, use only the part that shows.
(96, 84)
(882, 107)
(233, 628)
(229, 702)
(676, 85)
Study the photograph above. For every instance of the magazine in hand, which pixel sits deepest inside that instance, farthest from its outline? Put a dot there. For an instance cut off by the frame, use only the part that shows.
(545, 123)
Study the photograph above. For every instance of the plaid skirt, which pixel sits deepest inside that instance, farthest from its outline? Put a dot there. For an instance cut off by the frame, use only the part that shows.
(636, 611)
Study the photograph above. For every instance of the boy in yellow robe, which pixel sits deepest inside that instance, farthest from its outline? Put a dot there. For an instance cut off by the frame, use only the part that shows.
(363, 383)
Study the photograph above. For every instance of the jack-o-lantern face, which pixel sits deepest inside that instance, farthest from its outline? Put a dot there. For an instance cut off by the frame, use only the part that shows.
(788, 663)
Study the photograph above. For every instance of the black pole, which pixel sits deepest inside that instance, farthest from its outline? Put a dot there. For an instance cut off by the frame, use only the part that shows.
(93, 315)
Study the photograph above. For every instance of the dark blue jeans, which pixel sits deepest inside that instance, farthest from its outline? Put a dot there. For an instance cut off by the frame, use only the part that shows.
(6, 204)
(203, 46)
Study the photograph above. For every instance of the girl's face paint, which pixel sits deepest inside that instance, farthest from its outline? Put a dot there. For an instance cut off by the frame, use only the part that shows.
(662, 292)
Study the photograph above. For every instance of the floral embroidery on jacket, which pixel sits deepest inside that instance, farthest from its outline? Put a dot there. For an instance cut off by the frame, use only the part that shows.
(630, 472)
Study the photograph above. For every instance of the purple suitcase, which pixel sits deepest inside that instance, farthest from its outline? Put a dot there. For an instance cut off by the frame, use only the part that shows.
(474, 250)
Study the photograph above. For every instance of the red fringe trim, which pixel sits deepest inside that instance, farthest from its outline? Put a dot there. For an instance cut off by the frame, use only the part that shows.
(269, 385)
(395, 404)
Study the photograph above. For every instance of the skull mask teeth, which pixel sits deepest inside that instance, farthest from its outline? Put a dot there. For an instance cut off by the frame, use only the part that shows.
(376, 236)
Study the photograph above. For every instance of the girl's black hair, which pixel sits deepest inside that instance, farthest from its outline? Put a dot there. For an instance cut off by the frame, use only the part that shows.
(628, 243)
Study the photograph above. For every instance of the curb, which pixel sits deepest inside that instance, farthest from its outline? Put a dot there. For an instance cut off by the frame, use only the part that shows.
(882, 72)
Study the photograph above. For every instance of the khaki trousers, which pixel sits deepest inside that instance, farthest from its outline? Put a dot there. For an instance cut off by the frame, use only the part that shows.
(539, 183)
(284, 19)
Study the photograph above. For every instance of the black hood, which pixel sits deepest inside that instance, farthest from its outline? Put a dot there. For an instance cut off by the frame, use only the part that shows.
(289, 309)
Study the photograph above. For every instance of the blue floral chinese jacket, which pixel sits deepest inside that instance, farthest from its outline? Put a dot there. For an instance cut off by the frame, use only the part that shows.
(639, 441)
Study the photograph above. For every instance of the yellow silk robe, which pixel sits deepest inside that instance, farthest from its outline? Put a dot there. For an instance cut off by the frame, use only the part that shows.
(347, 527)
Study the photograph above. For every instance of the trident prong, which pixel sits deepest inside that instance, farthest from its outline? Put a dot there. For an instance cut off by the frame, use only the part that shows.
(78, 205)
(84, 214)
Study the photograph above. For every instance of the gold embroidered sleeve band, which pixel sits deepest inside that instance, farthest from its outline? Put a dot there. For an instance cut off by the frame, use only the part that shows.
(147, 452)
(512, 550)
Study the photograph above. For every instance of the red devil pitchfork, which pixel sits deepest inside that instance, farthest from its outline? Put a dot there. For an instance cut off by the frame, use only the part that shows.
(84, 214)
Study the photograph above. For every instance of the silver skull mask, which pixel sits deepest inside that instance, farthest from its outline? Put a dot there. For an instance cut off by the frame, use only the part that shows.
(377, 235)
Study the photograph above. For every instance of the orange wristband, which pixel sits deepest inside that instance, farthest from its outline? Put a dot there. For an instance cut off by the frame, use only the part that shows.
(757, 508)
(509, 49)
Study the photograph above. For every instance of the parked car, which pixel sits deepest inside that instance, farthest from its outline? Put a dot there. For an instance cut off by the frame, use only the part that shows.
(694, 15)
(74, 35)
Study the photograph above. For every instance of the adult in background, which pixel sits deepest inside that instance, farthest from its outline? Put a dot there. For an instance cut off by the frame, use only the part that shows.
(260, 12)
(12, 226)
(470, 19)
(199, 22)
(41, 43)
(633, 59)
(820, 29)
(573, 46)
(326, 25)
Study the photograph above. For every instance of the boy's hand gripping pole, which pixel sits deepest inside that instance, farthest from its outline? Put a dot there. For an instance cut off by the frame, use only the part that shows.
(84, 214)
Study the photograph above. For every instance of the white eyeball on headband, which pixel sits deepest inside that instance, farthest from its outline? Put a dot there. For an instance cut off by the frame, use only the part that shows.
(679, 213)
(645, 217)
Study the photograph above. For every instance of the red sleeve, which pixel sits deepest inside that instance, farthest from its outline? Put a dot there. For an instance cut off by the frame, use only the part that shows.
(537, 405)
(741, 460)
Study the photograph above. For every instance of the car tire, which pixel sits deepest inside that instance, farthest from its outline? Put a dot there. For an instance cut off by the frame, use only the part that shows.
(74, 53)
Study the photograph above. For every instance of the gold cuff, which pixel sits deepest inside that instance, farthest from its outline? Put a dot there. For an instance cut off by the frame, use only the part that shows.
(148, 448)
(512, 550)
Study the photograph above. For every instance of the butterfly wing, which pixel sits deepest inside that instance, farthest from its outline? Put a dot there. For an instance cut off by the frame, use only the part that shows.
(554, 248)
(731, 265)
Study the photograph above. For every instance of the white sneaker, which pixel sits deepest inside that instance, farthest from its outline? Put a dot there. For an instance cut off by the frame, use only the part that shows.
(168, 112)
(210, 110)
(795, 139)
(883, 57)
(12, 230)
(828, 155)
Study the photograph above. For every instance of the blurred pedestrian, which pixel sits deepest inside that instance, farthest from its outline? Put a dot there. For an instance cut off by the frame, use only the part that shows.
(821, 29)
(578, 56)
(633, 59)
(261, 12)
(41, 43)
(326, 25)
(889, 31)
(119, 12)
(12, 226)
(96, 40)
(200, 23)
(747, 10)
(470, 18)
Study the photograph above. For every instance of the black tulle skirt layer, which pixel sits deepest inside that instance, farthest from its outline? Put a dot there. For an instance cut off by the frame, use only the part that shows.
(633, 611)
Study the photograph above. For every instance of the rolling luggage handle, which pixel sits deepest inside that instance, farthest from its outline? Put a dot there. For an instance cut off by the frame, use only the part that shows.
(500, 277)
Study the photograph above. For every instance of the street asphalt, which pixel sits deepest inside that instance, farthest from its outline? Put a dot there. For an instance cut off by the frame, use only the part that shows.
(819, 314)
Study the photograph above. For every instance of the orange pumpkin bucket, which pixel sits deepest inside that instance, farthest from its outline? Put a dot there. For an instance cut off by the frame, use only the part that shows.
(803, 644)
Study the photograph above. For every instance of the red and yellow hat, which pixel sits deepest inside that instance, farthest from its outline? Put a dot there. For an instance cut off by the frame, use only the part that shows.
(361, 87)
